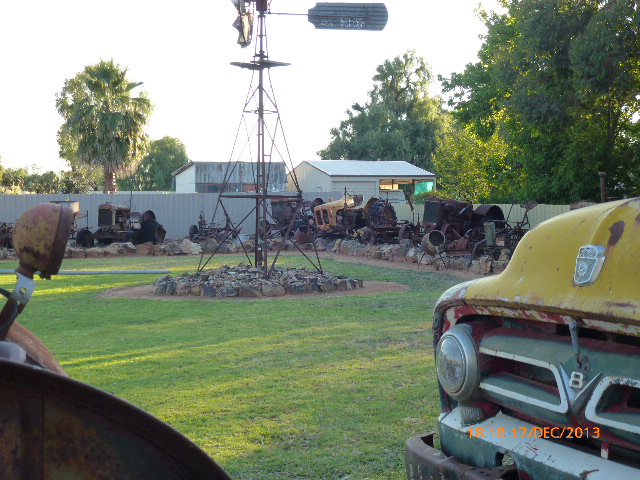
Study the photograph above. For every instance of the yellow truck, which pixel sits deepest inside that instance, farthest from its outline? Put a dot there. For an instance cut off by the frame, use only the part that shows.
(539, 367)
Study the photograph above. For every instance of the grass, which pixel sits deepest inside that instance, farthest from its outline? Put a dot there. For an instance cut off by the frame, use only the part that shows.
(295, 388)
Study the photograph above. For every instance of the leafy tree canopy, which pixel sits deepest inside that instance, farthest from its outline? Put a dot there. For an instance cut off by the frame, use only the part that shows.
(560, 79)
(474, 169)
(23, 180)
(103, 122)
(165, 156)
(399, 121)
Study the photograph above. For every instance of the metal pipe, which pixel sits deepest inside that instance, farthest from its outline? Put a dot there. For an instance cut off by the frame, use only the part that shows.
(101, 272)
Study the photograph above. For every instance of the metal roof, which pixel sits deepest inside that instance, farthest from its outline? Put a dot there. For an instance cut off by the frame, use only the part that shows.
(365, 168)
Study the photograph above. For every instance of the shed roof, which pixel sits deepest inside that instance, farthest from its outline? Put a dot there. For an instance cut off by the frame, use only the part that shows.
(182, 168)
(365, 168)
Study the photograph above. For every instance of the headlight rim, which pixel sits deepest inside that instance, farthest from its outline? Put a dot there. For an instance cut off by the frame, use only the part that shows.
(462, 334)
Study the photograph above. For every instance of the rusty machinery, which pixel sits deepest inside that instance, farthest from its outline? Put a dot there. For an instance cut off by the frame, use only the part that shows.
(57, 427)
(339, 218)
(204, 230)
(6, 235)
(117, 223)
(381, 223)
(376, 222)
(294, 218)
(455, 227)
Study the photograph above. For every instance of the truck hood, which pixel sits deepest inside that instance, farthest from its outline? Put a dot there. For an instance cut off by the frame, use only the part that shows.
(585, 263)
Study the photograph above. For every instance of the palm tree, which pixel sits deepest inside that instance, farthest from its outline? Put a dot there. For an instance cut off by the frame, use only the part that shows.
(104, 124)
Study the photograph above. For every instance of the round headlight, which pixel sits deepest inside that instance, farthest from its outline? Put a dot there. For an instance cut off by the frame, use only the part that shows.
(457, 363)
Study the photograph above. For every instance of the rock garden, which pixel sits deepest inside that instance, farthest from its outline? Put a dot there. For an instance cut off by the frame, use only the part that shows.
(245, 281)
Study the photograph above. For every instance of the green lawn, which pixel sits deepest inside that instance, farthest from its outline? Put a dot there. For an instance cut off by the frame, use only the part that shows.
(295, 388)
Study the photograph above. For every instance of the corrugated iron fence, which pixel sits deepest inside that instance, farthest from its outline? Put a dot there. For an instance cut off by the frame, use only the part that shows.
(177, 211)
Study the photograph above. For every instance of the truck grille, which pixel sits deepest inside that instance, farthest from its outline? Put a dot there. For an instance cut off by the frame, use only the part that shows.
(534, 375)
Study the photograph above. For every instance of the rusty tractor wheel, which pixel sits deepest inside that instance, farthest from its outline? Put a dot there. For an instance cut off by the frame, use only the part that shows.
(84, 238)
(57, 427)
(407, 232)
(150, 231)
(382, 213)
(193, 231)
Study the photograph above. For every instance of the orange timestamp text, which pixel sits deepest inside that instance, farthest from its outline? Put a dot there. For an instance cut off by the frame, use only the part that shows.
(535, 432)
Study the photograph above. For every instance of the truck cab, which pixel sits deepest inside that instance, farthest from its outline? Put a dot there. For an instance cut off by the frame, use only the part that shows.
(539, 367)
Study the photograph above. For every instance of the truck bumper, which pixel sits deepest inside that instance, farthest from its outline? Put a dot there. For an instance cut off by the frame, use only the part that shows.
(424, 462)
(533, 458)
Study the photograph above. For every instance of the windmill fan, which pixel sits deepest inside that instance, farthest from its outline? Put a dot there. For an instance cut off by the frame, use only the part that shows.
(327, 16)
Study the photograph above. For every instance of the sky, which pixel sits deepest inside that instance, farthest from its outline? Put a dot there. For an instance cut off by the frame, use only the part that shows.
(182, 51)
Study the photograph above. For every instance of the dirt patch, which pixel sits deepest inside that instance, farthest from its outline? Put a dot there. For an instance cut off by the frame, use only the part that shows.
(145, 292)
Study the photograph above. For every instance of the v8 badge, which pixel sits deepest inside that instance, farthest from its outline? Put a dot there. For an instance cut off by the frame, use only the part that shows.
(577, 380)
(588, 264)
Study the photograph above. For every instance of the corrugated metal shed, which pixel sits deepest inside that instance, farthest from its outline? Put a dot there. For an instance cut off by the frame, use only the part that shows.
(363, 168)
(329, 178)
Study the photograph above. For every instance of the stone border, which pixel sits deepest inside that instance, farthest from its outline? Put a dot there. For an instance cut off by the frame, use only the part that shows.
(245, 281)
(405, 251)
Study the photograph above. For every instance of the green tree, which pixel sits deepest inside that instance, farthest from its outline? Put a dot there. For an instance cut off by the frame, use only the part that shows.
(14, 180)
(165, 156)
(561, 80)
(475, 169)
(47, 182)
(103, 123)
(399, 121)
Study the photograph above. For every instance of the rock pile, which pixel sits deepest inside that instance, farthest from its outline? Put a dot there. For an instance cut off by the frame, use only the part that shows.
(171, 247)
(406, 252)
(248, 282)
(8, 254)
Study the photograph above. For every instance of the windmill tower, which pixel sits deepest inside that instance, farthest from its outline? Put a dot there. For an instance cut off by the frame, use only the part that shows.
(265, 137)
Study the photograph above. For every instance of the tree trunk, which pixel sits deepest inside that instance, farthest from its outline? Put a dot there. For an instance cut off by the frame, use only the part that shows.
(110, 185)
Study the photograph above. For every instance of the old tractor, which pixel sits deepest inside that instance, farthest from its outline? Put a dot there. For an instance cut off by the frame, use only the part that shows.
(339, 218)
(294, 217)
(56, 427)
(116, 223)
(381, 223)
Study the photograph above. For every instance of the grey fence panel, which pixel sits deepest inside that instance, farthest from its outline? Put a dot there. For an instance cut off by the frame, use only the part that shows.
(540, 213)
(175, 211)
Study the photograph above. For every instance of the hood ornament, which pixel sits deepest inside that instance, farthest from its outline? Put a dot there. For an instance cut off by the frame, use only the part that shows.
(588, 264)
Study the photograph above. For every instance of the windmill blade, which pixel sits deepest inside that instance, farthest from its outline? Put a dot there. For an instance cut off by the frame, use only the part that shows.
(244, 22)
(244, 25)
(349, 16)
